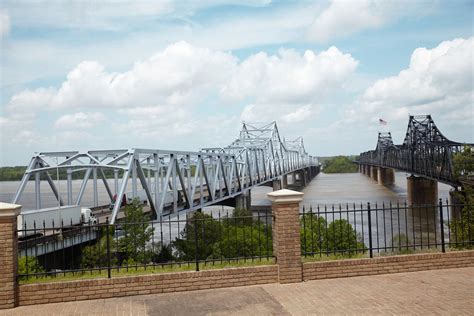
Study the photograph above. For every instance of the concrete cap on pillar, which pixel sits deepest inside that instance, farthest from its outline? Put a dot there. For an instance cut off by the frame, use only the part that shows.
(9, 210)
(285, 196)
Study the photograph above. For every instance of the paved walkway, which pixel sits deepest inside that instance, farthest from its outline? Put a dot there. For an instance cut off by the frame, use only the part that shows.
(428, 292)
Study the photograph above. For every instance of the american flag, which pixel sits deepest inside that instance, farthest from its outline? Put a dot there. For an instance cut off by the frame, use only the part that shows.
(382, 122)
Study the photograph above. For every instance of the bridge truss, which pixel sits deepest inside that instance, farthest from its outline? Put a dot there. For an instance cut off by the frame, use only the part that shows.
(173, 181)
(425, 151)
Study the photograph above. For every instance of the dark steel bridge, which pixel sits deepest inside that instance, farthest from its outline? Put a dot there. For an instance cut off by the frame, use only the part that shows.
(425, 152)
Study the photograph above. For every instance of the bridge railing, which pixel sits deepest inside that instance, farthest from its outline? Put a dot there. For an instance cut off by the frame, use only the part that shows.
(188, 242)
(385, 229)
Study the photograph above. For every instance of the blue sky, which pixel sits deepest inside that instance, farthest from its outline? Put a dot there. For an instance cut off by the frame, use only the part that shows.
(184, 75)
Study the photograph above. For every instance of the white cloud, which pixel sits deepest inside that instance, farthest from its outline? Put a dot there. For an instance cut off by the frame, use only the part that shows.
(79, 120)
(180, 73)
(343, 18)
(300, 114)
(289, 85)
(158, 101)
(433, 77)
(438, 81)
(4, 23)
(290, 77)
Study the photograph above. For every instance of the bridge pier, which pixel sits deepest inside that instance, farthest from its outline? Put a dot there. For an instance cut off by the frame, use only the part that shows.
(422, 191)
(276, 185)
(374, 172)
(385, 176)
(244, 200)
(284, 182)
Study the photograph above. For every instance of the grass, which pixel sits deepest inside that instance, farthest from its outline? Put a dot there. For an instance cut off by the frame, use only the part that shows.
(330, 257)
(157, 269)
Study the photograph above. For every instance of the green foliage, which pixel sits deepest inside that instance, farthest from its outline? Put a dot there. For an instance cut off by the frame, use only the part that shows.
(400, 243)
(243, 237)
(12, 173)
(463, 163)
(342, 237)
(165, 254)
(137, 234)
(96, 255)
(462, 226)
(312, 232)
(233, 237)
(205, 230)
(16, 173)
(339, 164)
(338, 237)
(29, 265)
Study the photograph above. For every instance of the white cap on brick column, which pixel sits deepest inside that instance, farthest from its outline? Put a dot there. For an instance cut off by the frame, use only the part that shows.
(9, 210)
(285, 196)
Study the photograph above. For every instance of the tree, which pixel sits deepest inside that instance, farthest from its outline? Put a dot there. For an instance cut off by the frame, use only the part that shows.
(242, 237)
(462, 227)
(96, 255)
(339, 164)
(342, 238)
(338, 237)
(312, 234)
(201, 230)
(138, 233)
(29, 265)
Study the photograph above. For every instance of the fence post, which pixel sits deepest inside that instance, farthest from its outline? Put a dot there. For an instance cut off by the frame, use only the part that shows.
(196, 248)
(108, 247)
(441, 223)
(286, 234)
(370, 230)
(8, 255)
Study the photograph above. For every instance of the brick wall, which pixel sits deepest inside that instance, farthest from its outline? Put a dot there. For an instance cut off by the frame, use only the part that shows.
(384, 265)
(52, 292)
(8, 263)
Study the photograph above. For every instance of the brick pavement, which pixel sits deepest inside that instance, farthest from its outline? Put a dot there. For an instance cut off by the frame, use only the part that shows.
(447, 291)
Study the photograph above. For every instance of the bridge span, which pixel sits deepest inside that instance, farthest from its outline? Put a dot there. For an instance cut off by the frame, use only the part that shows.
(425, 153)
(178, 181)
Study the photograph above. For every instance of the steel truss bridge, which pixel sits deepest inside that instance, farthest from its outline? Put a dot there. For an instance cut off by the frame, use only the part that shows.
(425, 151)
(174, 180)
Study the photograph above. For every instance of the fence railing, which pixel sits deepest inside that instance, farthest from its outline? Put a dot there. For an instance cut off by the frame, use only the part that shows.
(187, 242)
(193, 241)
(384, 229)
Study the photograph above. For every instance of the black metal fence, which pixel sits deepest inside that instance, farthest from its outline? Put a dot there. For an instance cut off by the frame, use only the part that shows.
(193, 241)
(187, 241)
(385, 229)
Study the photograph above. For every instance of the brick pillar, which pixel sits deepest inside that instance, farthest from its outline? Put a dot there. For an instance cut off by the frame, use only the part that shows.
(286, 234)
(8, 255)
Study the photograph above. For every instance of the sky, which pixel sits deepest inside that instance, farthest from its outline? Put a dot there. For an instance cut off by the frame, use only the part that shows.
(183, 75)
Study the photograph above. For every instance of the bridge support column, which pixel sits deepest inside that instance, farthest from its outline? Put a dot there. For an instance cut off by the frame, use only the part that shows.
(422, 191)
(367, 170)
(244, 200)
(276, 185)
(8, 255)
(284, 181)
(286, 234)
(374, 173)
(385, 176)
